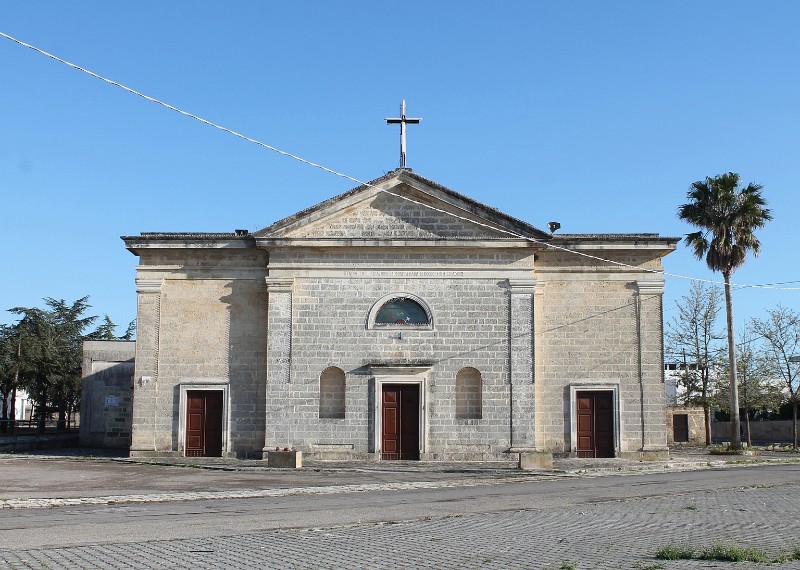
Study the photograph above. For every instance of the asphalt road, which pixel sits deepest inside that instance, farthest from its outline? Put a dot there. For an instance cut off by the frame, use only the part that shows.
(644, 510)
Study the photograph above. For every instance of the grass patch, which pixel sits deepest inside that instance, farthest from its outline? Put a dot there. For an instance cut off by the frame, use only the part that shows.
(690, 507)
(567, 565)
(790, 557)
(674, 552)
(721, 553)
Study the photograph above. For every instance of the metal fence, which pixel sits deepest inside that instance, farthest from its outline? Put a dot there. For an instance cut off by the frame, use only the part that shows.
(30, 427)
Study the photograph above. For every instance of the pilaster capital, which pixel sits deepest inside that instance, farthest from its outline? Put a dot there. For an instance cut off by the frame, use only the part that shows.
(650, 287)
(279, 284)
(522, 286)
(148, 285)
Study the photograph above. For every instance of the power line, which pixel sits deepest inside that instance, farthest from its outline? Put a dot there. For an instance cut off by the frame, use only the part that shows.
(367, 184)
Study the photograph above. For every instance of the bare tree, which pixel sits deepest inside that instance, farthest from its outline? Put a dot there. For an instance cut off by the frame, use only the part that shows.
(757, 388)
(693, 341)
(781, 330)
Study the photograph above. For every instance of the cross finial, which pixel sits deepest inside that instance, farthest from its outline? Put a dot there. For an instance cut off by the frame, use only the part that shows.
(402, 121)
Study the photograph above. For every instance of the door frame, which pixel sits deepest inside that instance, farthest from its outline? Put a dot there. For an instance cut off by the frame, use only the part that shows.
(594, 386)
(196, 385)
(401, 375)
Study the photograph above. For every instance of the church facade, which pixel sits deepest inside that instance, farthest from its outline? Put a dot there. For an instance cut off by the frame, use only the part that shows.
(399, 320)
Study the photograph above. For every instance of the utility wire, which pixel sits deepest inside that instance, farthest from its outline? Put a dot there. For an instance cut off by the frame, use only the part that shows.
(367, 184)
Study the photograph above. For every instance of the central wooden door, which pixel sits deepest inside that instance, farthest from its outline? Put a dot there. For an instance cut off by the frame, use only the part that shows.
(204, 423)
(595, 424)
(400, 421)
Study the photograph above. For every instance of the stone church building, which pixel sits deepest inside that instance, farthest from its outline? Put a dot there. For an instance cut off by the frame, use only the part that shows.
(399, 320)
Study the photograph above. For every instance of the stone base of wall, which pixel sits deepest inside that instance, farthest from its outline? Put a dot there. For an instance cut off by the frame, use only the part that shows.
(469, 457)
(153, 453)
(111, 440)
(329, 455)
(650, 455)
(15, 443)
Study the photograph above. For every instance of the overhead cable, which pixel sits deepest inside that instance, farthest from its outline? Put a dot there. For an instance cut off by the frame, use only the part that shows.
(367, 184)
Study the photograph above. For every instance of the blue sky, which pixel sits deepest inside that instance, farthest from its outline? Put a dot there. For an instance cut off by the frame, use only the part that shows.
(596, 114)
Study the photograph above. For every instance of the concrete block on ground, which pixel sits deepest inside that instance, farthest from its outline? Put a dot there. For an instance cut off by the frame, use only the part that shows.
(285, 459)
(535, 460)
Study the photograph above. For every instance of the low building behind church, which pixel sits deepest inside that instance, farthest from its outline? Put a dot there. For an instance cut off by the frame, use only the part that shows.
(399, 320)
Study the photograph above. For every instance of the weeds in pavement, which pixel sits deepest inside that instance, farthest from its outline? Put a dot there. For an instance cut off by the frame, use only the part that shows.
(690, 507)
(567, 565)
(723, 553)
(793, 555)
(674, 552)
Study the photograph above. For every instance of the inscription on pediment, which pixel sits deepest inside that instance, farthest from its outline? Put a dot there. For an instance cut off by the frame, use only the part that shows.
(392, 217)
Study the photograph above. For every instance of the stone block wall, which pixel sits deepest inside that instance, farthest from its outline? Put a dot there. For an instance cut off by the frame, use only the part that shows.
(532, 331)
(599, 329)
(330, 330)
(697, 430)
(765, 432)
(106, 393)
(201, 326)
(332, 292)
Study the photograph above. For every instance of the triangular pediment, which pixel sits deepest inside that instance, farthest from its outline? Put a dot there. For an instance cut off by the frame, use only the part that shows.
(401, 205)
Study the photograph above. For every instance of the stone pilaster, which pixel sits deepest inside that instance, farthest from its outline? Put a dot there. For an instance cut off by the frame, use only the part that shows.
(145, 392)
(279, 362)
(651, 366)
(523, 400)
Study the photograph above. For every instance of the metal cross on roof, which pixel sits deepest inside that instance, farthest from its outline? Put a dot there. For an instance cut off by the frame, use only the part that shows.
(402, 121)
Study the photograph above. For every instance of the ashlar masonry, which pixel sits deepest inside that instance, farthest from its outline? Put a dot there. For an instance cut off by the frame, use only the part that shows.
(399, 320)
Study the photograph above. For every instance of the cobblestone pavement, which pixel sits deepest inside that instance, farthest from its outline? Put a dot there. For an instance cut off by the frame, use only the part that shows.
(602, 534)
(314, 478)
(610, 534)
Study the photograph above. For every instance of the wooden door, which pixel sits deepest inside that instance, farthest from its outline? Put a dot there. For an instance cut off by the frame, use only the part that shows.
(400, 420)
(204, 423)
(680, 428)
(595, 413)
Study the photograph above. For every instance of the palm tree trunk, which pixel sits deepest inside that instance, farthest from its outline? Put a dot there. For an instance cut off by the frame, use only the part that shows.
(735, 426)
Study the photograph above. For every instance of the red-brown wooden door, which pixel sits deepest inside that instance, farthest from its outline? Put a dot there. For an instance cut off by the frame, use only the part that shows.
(204, 423)
(400, 421)
(595, 424)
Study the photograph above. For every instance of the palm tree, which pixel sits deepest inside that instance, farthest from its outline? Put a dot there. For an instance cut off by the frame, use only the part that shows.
(727, 216)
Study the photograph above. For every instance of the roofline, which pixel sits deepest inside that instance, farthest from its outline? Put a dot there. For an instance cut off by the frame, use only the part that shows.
(496, 217)
(188, 240)
(220, 240)
(587, 241)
